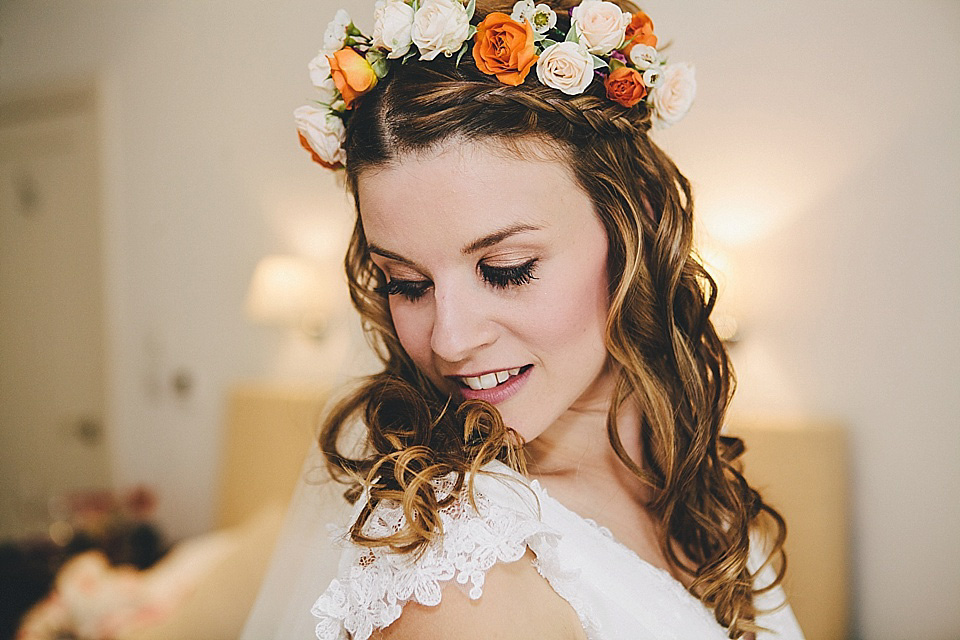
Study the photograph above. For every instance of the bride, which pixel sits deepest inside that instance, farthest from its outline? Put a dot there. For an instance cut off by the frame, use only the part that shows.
(542, 455)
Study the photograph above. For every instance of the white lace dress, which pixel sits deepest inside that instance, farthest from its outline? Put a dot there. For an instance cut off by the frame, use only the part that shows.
(616, 594)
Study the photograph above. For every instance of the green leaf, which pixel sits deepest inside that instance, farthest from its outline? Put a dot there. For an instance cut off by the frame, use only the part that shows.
(463, 50)
(413, 51)
(614, 64)
(572, 35)
(547, 42)
(598, 62)
(380, 66)
(471, 7)
(471, 32)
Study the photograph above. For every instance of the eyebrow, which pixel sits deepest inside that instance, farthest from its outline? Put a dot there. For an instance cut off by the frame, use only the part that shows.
(497, 237)
(482, 243)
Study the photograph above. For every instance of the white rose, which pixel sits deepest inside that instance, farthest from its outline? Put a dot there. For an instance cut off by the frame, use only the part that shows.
(601, 25)
(336, 32)
(440, 26)
(644, 56)
(566, 66)
(674, 95)
(323, 131)
(392, 26)
(320, 77)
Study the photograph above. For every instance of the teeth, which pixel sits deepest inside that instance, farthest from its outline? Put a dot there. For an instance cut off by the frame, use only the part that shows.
(489, 380)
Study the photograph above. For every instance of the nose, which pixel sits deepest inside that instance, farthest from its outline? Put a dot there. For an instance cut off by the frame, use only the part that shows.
(461, 325)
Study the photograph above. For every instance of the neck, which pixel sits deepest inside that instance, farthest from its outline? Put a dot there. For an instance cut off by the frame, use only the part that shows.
(577, 448)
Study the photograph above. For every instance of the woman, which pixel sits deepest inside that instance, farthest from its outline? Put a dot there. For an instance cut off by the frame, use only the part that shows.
(546, 432)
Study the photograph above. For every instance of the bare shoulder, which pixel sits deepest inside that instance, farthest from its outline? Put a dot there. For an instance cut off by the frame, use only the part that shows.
(517, 603)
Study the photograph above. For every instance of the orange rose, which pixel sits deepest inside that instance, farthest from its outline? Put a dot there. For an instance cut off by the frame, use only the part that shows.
(639, 31)
(504, 48)
(352, 74)
(625, 86)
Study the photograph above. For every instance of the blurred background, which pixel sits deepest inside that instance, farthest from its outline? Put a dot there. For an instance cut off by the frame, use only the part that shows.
(160, 230)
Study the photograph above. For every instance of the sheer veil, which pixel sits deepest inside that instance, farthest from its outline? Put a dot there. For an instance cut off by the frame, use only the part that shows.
(304, 559)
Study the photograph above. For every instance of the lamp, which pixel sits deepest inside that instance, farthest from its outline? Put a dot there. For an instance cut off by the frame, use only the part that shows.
(290, 291)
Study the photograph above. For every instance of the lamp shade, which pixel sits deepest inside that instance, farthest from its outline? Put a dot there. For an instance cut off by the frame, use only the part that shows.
(289, 291)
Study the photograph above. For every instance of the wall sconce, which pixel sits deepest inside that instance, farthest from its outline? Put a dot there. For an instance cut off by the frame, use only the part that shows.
(290, 291)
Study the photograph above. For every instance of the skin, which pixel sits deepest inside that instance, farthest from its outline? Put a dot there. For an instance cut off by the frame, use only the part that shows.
(427, 209)
(420, 216)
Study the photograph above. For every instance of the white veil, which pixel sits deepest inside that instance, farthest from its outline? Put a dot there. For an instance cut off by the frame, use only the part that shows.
(304, 558)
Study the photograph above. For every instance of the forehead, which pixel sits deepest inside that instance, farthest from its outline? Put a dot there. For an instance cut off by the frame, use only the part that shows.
(463, 190)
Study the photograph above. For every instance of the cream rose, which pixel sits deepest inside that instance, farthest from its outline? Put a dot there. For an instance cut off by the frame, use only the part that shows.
(674, 94)
(320, 77)
(566, 66)
(440, 26)
(336, 32)
(601, 25)
(323, 131)
(392, 27)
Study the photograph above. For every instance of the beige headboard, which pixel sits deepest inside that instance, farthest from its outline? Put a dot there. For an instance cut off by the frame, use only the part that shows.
(269, 429)
(801, 469)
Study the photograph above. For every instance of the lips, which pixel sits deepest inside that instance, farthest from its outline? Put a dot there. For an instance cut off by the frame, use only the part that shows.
(494, 387)
(489, 380)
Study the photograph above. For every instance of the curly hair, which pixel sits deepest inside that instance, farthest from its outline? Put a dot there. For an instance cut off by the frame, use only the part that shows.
(670, 360)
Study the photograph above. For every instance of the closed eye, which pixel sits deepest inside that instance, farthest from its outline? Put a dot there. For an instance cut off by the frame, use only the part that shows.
(497, 277)
(412, 290)
(512, 276)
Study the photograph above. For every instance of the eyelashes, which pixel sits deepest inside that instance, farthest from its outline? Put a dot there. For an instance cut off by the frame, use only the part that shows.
(497, 277)
(503, 277)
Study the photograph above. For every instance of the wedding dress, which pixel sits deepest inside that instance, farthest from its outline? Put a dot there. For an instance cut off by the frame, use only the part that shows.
(616, 594)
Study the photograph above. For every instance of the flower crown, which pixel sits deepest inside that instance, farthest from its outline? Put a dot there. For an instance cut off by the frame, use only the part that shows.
(601, 42)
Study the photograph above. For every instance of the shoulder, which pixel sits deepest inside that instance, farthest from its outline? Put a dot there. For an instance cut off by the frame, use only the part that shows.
(517, 603)
(486, 549)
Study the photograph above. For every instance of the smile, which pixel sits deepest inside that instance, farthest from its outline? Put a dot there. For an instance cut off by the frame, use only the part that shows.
(494, 387)
(490, 380)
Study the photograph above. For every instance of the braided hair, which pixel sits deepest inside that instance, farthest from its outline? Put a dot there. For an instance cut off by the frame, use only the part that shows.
(670, 361)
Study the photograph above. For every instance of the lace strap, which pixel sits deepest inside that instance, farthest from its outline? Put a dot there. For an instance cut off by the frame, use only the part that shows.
(374, 584)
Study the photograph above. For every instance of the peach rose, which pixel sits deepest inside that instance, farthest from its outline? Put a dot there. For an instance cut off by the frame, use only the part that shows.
(504, 48)
(625, 86)
(352, 74)
(639, 31)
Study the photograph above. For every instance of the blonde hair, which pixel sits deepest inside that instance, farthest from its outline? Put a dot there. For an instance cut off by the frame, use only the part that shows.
(671, 362)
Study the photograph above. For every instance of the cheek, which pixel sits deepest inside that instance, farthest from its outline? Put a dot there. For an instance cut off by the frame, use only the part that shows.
(413, 331)
(577, 309)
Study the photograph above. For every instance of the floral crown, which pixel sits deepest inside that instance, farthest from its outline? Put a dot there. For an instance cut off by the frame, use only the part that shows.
(601, 41)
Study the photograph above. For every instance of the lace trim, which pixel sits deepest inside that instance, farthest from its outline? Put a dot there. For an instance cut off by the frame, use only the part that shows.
(370, 593)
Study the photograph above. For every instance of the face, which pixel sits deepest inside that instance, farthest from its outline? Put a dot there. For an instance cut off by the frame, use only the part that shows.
(497, 281)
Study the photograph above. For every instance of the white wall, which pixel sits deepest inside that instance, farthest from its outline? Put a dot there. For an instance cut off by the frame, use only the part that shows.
(826, 153)
(823, 147)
